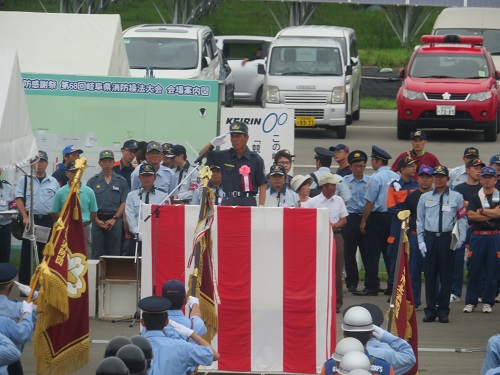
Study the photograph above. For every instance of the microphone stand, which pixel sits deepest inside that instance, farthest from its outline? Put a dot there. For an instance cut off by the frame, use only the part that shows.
(137, 313)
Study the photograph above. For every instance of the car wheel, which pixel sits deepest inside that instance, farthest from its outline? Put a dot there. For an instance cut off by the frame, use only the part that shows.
(341, 132)
(348, 119)
(490, 132)
(403, 131)
(356, 114)
(258, 97)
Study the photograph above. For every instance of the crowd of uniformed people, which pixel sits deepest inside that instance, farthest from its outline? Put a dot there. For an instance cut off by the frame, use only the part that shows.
(454, 215)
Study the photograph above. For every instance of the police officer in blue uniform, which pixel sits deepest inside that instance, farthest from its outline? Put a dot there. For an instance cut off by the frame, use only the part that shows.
(111, 191)
(376, 221)
(482, 261)
(323, 159)
(147, 194)
(172, 356)
(6, 198)
(279, 194)
(175, 292)
(243, 174)
(437, 212)
(9, 353)
(44, 190)
(165, 177)
(12, 309)
(357, 184)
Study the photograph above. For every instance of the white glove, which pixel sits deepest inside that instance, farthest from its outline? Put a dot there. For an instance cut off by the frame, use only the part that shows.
(27, 307)
(377, 332)
(423, 248)
(192, 300)
(138, 236)
(458, 244)
(180, 329)
(24, 289)
(218, 141)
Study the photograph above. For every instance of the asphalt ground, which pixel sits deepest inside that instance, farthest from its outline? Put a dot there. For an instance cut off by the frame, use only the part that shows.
(454, 348)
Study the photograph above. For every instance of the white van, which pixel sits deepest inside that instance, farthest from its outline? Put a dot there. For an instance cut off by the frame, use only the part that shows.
(178, 51)
(316, 71)
(483, 22)
(244, 53)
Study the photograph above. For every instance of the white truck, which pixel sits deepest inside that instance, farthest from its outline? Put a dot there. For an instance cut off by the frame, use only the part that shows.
(472, 21)
(315, 70)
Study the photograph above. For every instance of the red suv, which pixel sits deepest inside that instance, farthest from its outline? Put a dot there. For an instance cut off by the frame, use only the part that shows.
(450, 83)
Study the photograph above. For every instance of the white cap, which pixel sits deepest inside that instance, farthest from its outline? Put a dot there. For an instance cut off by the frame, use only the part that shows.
(353, 361)
(346, 345)
(328, 178)
(357, 319)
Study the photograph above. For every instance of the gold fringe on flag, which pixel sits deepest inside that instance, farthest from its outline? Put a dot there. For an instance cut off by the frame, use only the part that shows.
(207, 304)
(73, 358)
(52, 301)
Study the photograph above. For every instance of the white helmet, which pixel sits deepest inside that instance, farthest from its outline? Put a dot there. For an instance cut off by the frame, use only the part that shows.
(360, 372)
(357, 319)
(353, 361)
(346, 345)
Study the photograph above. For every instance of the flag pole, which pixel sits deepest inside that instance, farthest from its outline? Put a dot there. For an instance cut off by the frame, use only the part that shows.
(205, 174)
(404, 217)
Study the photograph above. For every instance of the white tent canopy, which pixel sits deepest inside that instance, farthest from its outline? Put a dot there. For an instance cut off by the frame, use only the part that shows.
(17, 143)
(59, 43)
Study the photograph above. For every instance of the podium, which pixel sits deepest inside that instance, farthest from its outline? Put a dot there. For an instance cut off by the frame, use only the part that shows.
(117, 287)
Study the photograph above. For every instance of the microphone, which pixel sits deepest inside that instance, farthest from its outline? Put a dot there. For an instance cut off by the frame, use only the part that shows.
(204, 155)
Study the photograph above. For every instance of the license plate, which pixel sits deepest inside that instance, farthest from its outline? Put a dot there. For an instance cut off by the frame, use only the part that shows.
(304, 121)
(445, 110)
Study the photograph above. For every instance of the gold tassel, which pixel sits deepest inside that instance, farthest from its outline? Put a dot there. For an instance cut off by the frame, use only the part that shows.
(76, 215)
(48, 250)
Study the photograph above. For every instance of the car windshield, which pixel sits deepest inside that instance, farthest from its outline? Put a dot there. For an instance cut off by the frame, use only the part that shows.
(449, 66)
(306, 61)
(162, 53)
(491, 37)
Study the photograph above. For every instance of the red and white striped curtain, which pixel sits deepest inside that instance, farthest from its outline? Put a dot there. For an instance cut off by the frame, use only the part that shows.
(275, 270)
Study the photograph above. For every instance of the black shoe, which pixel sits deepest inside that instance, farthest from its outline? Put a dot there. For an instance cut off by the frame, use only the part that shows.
(428, 319)
(365, 292)
(381, 290)
(388, 292)
(352, 289)
(444, 320)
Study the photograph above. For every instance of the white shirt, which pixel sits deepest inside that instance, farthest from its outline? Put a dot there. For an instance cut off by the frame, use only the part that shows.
(335, 204)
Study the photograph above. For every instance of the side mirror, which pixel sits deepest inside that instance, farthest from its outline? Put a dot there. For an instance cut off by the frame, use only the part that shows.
(401, 73)
(205, 62)
(497, 75)
(348, 70)
(261, 69)
(354, 60)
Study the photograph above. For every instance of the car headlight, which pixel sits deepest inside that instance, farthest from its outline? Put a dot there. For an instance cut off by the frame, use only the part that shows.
(272, 94)
(338, 94)
(413, 95)
(480, 96)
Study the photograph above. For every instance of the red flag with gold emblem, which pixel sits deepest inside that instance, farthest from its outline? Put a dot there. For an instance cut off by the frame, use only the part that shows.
(404, 317)
(61, 338)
